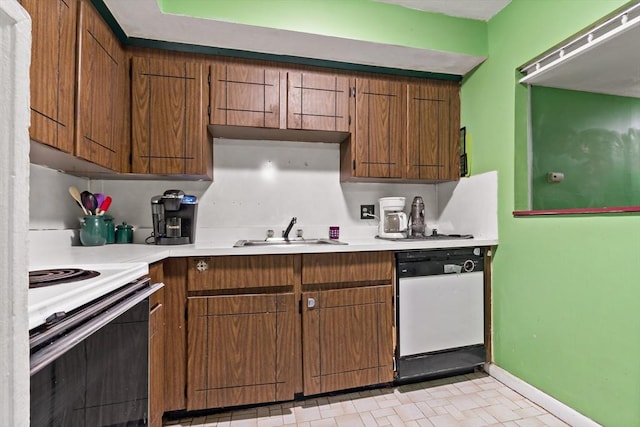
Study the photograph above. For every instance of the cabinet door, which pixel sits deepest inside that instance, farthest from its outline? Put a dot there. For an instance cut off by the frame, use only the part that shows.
(240, 350)
(156, 365)
(156, 348)
(102, 95)
(379, 128)
(169, 103)
(245, 95)
(347, 337)
(432, 131)
(53, 49)
(317, 102)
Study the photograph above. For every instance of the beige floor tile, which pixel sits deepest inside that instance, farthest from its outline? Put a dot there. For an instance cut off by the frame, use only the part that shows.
(551, 421)
(327, 422)
(462, 403)
(445, 420)
(487, 417)
(349, 420)
(529, 412)
(424, 422)
(245, 422)
(368, 420)
(473, 422)
(383, 412)
(426, 410)
(288, 417)
(454, 412)
(389, 403)
(270, 421)
(408, 412)
(366, 404)
(502, 413)
(306, 414)
(529, 422)
(474, 400)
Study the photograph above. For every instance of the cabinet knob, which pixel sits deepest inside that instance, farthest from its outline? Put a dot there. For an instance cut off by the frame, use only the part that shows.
(311, 303)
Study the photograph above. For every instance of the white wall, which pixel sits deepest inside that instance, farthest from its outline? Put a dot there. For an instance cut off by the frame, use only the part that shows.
(257, 185)
(15, 57)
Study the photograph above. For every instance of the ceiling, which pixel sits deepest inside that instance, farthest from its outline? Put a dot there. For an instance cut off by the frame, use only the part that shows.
(473, 9)
(142, 19)
(608, 64)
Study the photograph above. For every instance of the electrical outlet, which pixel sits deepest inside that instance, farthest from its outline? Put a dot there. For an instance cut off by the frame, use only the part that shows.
(367, 211)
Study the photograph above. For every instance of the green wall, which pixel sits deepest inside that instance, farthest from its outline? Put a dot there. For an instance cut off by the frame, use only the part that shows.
(566, 289)
(352, 19)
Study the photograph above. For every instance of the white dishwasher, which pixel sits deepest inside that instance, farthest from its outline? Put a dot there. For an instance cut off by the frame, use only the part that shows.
(439, 312)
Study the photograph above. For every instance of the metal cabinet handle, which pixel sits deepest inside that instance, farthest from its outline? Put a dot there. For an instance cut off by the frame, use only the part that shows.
(311, 303)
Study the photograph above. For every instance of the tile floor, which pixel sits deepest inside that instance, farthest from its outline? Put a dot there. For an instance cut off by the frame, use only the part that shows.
(472, 400)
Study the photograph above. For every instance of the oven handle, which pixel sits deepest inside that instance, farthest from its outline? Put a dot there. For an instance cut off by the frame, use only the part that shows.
(43, 357)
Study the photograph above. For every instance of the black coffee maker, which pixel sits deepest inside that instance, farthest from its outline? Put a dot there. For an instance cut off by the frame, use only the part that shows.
(174, 218)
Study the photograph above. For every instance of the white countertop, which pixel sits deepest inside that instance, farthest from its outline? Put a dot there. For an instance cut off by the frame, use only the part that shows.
(127, 253)
(121, 263)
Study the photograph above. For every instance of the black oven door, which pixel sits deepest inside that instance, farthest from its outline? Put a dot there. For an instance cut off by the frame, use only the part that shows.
(100, 380)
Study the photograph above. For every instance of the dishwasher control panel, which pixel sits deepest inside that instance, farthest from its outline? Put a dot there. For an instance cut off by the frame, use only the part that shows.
(440, 261)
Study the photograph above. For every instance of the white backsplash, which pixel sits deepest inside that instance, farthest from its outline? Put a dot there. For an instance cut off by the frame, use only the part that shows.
(257, 185)
(50, 204)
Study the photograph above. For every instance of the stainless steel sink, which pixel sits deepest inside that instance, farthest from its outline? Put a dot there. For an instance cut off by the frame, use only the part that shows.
(283, 242)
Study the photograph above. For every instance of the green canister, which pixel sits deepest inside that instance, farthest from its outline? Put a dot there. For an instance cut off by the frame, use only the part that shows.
(124, 233)
(110, 232)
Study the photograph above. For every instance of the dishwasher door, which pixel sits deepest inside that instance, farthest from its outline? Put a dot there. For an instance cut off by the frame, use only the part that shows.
(440, 312)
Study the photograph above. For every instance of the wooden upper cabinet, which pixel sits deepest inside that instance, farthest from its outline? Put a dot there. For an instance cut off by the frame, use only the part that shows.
(379, 132)
(317, 101)
(102, 98)
(245, 95)
(53, 49)
(433, 124)
(169, 117)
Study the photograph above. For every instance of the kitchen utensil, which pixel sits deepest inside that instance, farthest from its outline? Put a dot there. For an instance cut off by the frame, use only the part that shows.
(76, 195)
(89, 201)
(93, 231)
(99, 198)
(105, 205)
(416, 217)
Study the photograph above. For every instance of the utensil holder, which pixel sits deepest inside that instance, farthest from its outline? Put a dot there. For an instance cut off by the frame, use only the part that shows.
(93, 231)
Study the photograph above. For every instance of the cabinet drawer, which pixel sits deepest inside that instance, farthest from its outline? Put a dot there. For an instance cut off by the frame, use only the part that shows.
(236, 272)
(347, 267)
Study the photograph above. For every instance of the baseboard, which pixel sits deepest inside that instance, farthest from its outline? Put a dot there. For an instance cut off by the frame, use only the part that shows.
(540, 398)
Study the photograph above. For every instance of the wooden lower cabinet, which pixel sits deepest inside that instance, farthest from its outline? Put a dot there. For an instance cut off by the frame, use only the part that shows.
(156, 348)
(240, 349)
(175, 329)
(156, 365)
(347, 337)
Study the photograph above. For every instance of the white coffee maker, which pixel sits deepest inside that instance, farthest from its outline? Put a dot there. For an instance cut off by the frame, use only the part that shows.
(393, 220)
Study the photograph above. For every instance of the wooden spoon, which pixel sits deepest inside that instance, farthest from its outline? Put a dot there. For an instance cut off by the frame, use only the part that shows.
(76, 195)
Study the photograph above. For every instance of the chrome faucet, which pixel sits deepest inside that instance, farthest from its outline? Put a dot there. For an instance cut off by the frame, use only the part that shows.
(285, 233)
